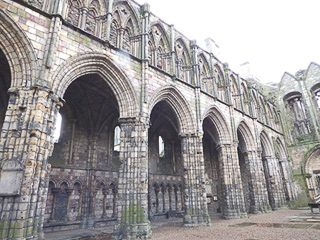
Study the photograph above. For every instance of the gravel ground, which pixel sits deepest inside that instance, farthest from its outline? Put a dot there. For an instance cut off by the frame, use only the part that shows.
(222, 229)
(271, 226)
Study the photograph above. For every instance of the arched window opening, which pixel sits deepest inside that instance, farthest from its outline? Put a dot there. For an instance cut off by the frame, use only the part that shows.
(298, 115)
(116, 146)
(315, 90)
(161, 147)
(126, 45)
(159, 58)
(158, 48)
(91, 22)
(220, 83)
(257, 107)
(235, 93)
(114, 34)
(74, 12)
(263, 112)
(205, 78)
(246, 102)
(183, 66)
(150, 53)
(57, 128)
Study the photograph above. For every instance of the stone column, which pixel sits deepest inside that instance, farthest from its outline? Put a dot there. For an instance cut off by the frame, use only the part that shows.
(105, 194)
(69, 192)
(197, 83)
(274, 184)
(83, 17)
(163, 190)
(54, 191)
(260, 202)
(173, 53)
(114, 202)
(156, 194)
(233, 205)
(279, 192)
(170, 198)
(109, 18)
(145, 10)
(288, 179)
(133, 180)
(26, 142)
(80, 204)
(228, 91)
(195, 202)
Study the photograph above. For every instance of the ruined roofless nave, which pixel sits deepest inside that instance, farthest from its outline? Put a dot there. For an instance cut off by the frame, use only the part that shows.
(153, 126)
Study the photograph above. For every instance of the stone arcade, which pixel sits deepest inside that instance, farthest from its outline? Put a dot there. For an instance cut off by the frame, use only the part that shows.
(153, 126)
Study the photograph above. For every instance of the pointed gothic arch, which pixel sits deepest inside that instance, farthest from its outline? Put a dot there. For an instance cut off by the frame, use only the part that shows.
(221, 125)
(96, 63)
(235, 91)
(247, 135)
(312, 169)
(266, 144)
(18, 51)
(159, 50)
(220, 82)
(206, 77)
(129, 27)
(183, 61)
(179, 104)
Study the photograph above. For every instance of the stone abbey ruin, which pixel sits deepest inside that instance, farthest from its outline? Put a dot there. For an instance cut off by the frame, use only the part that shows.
(153, 126)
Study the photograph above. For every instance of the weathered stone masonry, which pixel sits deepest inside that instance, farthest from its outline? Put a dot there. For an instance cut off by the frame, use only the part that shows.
(152, 127)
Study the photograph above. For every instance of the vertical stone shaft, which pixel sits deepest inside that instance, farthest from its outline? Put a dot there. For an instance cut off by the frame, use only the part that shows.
(231, 183)
(28, 142)
(144, 55)
(109, 18)
(196, 212)
(173, 54)
(275, 180)
(133, 180)
(260, 201)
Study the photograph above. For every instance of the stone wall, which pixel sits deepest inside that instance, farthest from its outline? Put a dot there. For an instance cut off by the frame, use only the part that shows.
(115, 64)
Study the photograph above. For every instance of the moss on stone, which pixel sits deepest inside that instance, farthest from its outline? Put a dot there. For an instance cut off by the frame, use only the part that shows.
(133, 214)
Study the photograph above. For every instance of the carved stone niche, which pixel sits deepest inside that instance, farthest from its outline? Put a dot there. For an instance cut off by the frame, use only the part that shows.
(11, 174)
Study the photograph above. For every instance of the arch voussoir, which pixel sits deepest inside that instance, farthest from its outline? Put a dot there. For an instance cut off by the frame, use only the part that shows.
(102, 65)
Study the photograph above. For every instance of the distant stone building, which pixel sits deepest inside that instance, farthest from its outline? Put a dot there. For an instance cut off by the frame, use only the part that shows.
(152, 126)
(299, 99)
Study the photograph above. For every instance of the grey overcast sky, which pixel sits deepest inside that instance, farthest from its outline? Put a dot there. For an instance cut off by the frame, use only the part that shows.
(275, 36)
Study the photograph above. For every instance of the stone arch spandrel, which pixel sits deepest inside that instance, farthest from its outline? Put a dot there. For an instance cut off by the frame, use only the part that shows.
(222, 127)
(19, 52)
(179, 105)
(96, 63)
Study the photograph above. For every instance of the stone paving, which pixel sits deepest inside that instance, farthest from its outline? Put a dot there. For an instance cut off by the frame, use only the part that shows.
(282, 224)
